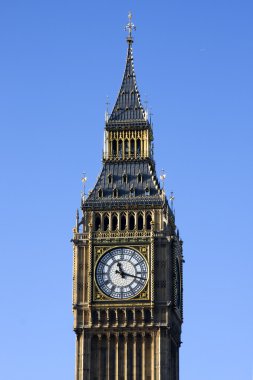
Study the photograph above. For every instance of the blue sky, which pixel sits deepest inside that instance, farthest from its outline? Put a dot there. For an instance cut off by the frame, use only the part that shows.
(59, 62)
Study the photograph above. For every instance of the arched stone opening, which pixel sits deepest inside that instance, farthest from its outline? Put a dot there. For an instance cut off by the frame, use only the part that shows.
(126, 148)
(103, 317)
(94, 316)
(106, 223)
(114, 147)
(148, 221)
(97, 222)
(123, 222)
(130, 317)
(131, 222)
(120, 149)
(138, 145)
(132, 147)
(112, 317)
(147, 316)
(121, 317)
(114, 222)
(140, 222)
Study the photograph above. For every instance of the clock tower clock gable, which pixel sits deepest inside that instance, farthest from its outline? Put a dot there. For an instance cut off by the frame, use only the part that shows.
(127, 260)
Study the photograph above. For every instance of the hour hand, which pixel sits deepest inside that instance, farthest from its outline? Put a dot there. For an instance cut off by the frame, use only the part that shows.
(120, 271)
(120, 266)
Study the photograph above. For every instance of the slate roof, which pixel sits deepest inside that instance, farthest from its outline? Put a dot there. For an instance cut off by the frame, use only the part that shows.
(131, 182)
(128, 104)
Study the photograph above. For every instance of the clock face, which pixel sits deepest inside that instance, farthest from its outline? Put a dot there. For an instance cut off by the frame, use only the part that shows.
(121, 273)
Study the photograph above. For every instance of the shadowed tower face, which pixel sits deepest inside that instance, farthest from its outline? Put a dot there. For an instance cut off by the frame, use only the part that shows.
(127, 256)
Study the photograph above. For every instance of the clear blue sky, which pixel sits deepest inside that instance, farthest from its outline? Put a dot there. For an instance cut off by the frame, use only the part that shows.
(59, 61)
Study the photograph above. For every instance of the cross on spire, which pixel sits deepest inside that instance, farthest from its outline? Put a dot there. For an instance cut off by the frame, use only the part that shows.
(130, 27)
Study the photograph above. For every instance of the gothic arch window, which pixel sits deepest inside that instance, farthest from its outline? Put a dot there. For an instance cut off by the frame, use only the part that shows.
(112, 317)
(140, 222)
(124, 178)
(139, 178)
(95, 317)
(147, 190)
(97, 222)
(126, 148)
(132, 192)
(130, 317)
(115, 193)
(123, 222)
(100, 193)
(120, 149)
(114, 222)
(109, 178)
(121, 317)
(131, 222)
(147, 316)
(106, 223)
(114, 147)
(138, 316)
(148, 221)
(132, 147)
(138, 147)
(103, 317)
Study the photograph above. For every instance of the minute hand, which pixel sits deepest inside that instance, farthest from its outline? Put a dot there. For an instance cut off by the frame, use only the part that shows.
(131, 275)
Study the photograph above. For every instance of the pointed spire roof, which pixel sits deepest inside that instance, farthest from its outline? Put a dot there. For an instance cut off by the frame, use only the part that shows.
(128, 104)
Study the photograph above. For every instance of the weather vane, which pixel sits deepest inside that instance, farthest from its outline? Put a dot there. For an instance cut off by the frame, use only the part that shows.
(130, 26)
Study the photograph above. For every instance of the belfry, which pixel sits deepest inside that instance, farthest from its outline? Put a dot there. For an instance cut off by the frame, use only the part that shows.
(127, 255)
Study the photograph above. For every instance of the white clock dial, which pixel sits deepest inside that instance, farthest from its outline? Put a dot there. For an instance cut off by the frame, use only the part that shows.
(122, 273)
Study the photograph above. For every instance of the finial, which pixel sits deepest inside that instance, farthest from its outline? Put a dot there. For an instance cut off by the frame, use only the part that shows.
(172, 197)
(163, 176)
(107, 109)
(77, 220)
(146, 109)
(84, 180)
(130, 27)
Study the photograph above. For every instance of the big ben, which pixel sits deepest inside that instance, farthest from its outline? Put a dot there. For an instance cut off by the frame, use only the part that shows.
(127, 255)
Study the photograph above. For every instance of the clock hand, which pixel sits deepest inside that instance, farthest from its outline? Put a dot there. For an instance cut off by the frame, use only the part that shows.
(131, 275)
(120, 272)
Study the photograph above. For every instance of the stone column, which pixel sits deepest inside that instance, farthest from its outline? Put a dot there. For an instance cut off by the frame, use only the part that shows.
(99, 317)
(157, 355)
(116, 356)
(153, 356)
(125, 356)
(108, 318)
(142, 316)
(134, 318)
(77, 356)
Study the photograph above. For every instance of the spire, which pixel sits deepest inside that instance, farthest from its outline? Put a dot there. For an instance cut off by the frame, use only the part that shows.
(128, 104)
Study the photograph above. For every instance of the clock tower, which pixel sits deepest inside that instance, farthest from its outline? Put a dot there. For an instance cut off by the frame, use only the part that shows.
(127, 256)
